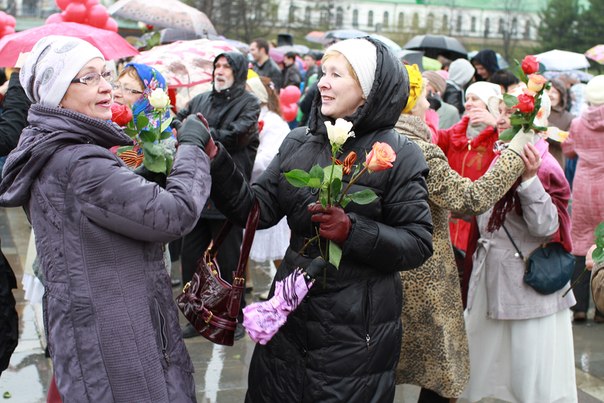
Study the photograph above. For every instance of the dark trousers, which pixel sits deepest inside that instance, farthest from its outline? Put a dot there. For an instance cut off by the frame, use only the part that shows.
(197, 241)
(430, 396)
(581, 288)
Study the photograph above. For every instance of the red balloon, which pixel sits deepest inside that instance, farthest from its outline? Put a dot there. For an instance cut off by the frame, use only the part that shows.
(56, 17)
(8, 30)
(75, 12)
(111, 25)
(289, 112)
(90, 3)
(62, 4)
(10, 21)
(289, 95)
(97, 16)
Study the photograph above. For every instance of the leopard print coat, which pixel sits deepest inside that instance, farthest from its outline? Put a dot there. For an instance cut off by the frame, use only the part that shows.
(434, 350)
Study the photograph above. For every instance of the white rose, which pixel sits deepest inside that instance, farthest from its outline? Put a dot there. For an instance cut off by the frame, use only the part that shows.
(340, 132)
(159, 99)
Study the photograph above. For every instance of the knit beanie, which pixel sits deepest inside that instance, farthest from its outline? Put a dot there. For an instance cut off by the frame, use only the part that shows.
(436, 80)
(415, 86)
(362, 56)
(594, 90)
(461, 72)
(488, 93)
(258, 89)
(53, 62)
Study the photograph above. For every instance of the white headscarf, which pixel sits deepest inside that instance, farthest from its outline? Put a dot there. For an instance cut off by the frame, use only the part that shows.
(52, 64)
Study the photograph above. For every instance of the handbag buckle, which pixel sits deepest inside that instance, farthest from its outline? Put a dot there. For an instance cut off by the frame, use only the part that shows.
(209, 317)
(186, 287)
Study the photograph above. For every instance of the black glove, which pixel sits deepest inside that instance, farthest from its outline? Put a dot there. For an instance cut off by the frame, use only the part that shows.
(194, 130)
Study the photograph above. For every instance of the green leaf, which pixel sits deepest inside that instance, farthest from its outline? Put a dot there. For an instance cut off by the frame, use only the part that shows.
(165, 124)
(510, 100)
(314, 183)
(332, 174)
(169, 163)
(317, 172)
(131, 132)
(598, 255)
(323, 199)
(345, 200)
(599, 235)
(365, 196)
(146, 136)
(155, 163)
(165, 135)
(509, 134)
(335, 254)
(539, 128)
(517, 120)
(141, 121)
(336, 187)
(297, 177)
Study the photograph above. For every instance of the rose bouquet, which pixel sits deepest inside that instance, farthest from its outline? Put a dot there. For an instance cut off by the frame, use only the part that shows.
(527, 104)
(328, 180)
(155, 144)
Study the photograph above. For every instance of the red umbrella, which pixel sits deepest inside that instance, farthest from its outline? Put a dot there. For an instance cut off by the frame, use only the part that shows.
(111, 44)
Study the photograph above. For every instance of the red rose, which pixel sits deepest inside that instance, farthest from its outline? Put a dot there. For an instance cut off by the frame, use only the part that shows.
(529, 64)
(526, 103)
(121, 114)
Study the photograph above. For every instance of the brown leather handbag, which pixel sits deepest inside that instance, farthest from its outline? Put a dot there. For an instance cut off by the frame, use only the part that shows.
(210, 303)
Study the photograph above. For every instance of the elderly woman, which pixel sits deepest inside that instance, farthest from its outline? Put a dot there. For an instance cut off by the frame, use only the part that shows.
(342, 342)
(434, 350)
(468, 145)
(521, 342)
(112, 325)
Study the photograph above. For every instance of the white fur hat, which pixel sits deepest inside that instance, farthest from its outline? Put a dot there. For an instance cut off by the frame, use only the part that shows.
(594, 91)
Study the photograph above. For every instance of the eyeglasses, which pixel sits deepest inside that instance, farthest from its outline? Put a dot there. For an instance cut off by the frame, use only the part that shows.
(94, 78)
(119, 86)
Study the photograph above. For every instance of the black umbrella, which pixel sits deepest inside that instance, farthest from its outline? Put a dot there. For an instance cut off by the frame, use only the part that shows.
(434, 45)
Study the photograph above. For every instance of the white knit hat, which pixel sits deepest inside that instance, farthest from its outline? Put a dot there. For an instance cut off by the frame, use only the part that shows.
(488, 93)
(362, 56)
(594, 91)
(53, 62)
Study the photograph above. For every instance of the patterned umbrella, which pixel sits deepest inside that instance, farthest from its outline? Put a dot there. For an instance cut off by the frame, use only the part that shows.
(110, 43)
(596, 53)
(562, 60)
(165, 14)
(185, 63)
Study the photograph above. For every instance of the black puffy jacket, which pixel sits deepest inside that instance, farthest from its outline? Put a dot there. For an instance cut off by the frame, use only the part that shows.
(233, 118)
(342, 343)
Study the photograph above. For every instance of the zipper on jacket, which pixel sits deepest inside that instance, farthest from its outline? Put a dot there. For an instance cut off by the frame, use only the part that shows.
(367, 315)
(162, 333)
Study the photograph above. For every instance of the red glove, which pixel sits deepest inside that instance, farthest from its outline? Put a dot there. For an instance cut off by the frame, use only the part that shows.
(335, 223)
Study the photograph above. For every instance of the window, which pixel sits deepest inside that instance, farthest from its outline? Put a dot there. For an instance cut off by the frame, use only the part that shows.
(473, 24)
(501, 25)
(355, 18)
(385, 19)
(370, 19)
(415, 22)
(401, 21)
(430, 23)
(458, 25)
(514, 26)
(445, 23)
(339, 17)
(324, 18)
(307, 15)
(487, 27)
(527, 29)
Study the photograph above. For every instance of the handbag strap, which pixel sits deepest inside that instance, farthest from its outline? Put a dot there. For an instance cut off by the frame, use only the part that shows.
(513, 243)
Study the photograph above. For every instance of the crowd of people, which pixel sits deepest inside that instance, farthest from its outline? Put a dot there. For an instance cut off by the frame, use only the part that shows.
(429, 290)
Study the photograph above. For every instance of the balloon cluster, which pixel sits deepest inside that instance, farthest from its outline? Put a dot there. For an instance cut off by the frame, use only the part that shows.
(88, 12)
(7, 24)
(289, 97)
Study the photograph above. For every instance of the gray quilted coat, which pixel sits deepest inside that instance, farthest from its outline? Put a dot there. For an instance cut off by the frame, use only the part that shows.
(111, 320)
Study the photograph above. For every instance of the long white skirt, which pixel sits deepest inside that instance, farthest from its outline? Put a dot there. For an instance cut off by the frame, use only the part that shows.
(271, 243)
(523, 361)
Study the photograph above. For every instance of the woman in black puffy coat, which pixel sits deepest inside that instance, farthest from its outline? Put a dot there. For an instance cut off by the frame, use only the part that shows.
(343, 341)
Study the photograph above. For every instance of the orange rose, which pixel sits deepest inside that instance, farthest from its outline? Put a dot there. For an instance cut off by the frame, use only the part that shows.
(380, 157)
(536, 82)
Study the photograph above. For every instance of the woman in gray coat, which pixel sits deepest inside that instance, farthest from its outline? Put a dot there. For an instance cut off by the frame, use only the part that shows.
(112, 325)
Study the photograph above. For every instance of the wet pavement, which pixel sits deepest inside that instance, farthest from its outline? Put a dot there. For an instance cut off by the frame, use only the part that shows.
(220, 372)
